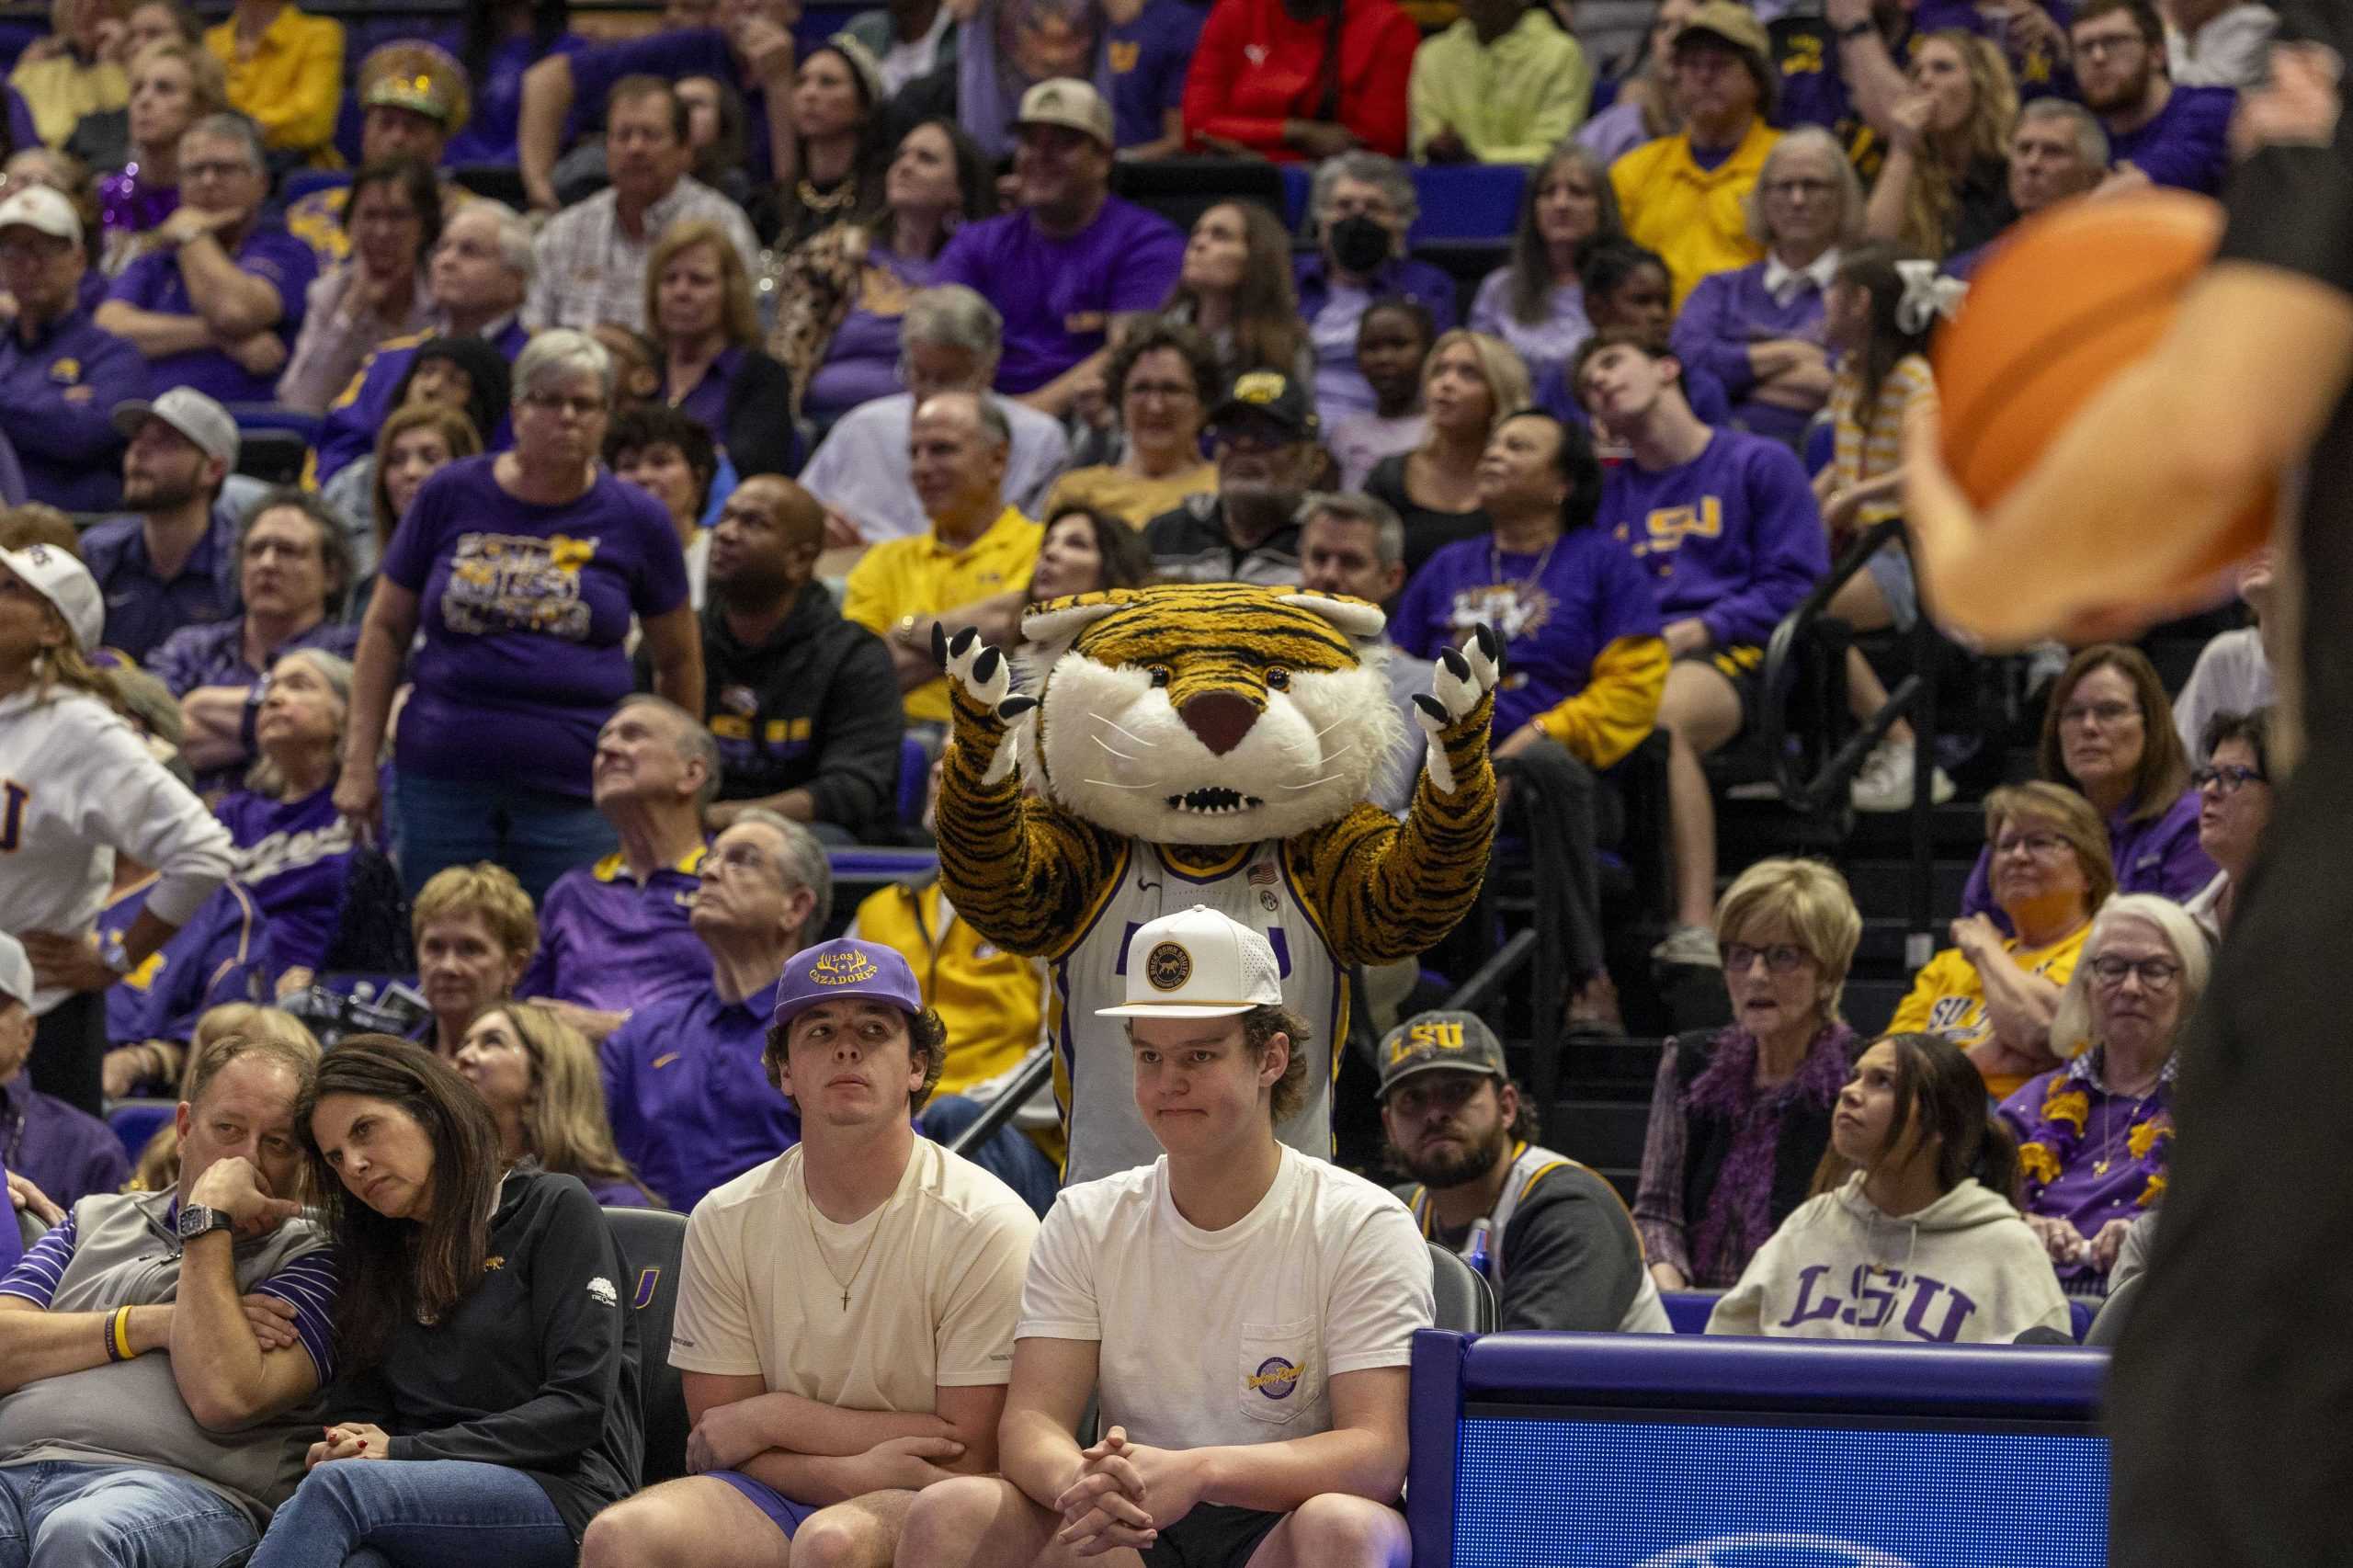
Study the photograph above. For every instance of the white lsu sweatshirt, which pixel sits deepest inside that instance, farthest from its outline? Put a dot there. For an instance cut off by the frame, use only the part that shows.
(76, 786)
(1966, 1268)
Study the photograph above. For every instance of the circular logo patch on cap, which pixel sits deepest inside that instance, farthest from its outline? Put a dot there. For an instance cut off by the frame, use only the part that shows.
(1167, 966)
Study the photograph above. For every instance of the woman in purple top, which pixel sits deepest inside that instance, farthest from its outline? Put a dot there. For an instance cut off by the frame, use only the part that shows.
(1739, 1122)
(2109, 731)
(840, 295)
(173, 85)
(1534, 302)
(1758, 329)
(699, 310)
(523, 570)
(539, 1076)
(2096, 1136)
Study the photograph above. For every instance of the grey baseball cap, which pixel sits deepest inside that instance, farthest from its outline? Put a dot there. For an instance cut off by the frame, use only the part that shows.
(1440, 1041)
(191, 414)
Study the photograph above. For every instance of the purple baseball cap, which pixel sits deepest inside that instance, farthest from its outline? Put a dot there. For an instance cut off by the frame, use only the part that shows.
(845, 971)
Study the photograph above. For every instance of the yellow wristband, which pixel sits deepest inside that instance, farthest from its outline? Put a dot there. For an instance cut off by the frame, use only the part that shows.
(122, 1334)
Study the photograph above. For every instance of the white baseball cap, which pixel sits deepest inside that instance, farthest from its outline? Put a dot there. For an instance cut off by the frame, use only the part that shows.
(1197, 963)
(37, 208)
(64, 582)
(15, 972)
(211, 427)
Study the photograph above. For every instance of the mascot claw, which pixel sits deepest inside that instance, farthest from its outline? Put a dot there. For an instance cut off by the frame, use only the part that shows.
(983, 678)
(1462, 680)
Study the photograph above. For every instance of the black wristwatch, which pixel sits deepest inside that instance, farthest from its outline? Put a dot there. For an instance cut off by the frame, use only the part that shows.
(1849, 34)
(196, 1219)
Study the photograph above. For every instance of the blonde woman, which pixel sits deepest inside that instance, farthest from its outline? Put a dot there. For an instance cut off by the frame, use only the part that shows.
(173, 85)
(1945, 187)
(1740, 1121)
(77, 787)
(1470, 382)
(539, 1076)
(699, 310)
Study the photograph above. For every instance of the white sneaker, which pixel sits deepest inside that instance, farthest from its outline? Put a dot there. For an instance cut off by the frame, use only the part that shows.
(1692, 944)
(1884, 781)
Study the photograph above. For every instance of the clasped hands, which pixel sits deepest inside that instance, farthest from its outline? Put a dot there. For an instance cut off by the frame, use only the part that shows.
(1122, 1492)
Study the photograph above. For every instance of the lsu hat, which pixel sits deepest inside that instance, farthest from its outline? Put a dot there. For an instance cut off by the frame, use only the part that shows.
(1197, 963)
(1269, 395)
(64, 582)
(1439, 1042)
(844, 970)
(1067, 101)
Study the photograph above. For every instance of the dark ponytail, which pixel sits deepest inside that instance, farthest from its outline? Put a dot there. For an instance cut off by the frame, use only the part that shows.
(1871, 266)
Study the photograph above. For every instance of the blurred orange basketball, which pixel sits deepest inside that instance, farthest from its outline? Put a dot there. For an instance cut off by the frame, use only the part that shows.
(2075, 295)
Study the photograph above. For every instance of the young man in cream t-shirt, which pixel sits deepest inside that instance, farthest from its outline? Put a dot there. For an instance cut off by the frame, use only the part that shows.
(846, 1312)
(1245, 1314)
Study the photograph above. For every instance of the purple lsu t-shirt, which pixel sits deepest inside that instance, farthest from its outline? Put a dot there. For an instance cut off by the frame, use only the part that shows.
(154, 283)
(2188, 145)
(524, 609)
(1058, 296)
(1149, 55)
(294, 857)
(1732, 537)
(1555, 611)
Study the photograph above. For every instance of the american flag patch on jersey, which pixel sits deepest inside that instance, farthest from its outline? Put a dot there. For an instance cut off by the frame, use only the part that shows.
(1263, 874)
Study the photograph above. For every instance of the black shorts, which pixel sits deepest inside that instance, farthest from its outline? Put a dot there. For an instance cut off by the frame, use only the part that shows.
(1742, 663)
(1212, 1536)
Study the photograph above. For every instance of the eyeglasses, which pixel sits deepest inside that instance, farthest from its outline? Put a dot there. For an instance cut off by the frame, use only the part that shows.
(2100, 48)
(555, 403)
(2106, 714)
(2041, 846)
(2156, 974)
(2225, 781)
(1781, 958)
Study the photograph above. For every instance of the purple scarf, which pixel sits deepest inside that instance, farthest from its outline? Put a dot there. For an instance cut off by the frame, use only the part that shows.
(128, 204)
(1739, 1214)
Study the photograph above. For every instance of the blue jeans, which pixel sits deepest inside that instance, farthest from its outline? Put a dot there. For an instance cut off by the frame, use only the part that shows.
(416, 1513)
(536, 833)
(1008, 1154)
(115, 1515)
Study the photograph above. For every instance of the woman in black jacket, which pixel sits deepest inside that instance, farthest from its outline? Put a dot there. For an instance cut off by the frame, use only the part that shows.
(698, 309)
(490, 1353)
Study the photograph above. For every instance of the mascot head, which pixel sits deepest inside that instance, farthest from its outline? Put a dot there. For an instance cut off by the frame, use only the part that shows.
(1211, 713)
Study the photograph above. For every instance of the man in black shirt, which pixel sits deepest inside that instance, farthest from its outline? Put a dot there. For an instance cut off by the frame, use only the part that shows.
(790, 686)
(1553, 1238)
(2230, 1398)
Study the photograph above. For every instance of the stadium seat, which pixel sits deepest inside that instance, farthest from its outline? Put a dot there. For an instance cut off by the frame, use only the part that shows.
(1467, 261)
(1181, 189)
(653, 1243)
(136, 1121)
(1467, 201)
(1466, 1303)
(1688, 1311)
(2107, 1326)
(29, 1226)
(915, 778)
(500, 182)
(271, 454)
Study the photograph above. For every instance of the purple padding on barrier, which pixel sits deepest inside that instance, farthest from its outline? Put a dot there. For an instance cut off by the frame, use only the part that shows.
(1688, 1311)
(1433, 1420)
(878, 864)
(2025, 1382)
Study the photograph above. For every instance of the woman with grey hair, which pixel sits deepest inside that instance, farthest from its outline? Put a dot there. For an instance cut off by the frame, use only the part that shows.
(1533, 302)
(1362, 205)
(524, 572)
(1758, 329)
(294, 853)
(2096, 1136)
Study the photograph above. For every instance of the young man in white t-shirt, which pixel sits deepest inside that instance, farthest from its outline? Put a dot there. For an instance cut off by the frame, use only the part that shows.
(846, 1312)
(1245, 1314)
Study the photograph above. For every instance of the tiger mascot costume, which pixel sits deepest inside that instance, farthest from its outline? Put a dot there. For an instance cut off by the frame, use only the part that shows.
(1204, 743)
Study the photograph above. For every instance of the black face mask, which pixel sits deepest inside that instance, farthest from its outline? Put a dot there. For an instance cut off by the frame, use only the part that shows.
(1360, 243)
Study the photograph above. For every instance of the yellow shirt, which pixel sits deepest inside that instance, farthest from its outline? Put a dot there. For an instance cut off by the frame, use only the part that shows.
(993, 1002)
(920, 575)
(290, 86)
(1693, 216)
(1949, 997)
(62, 89)
(1130, 498)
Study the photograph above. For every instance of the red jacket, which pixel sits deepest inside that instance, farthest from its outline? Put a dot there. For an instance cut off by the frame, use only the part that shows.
(1255, 67)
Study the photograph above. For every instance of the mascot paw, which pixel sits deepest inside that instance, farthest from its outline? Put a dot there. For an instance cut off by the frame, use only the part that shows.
(980, 681)
(1455, 711)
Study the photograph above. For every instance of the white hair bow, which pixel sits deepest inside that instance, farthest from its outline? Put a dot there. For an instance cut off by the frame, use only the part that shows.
(1927, 296)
